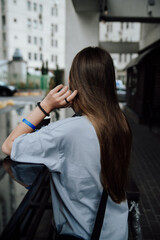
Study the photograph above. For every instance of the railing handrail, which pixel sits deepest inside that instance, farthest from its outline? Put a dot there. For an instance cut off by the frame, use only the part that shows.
(36, 199)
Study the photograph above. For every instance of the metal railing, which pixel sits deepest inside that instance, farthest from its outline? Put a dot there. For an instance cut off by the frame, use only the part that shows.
(28, 218)
(27, 223)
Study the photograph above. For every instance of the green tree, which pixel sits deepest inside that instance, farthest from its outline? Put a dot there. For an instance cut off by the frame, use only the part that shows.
(46, 70)
(43, 69)
(58, 76)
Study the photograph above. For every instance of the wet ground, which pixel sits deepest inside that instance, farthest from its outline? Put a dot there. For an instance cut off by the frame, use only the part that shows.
(19, 99)
(145, 167)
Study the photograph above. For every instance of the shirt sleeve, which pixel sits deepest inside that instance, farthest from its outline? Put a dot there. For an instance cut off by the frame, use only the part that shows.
(39, 147)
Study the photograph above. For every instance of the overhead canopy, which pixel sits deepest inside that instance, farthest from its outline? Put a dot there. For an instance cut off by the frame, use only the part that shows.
(121, 10)
(86, 5)
(137, 60)
(120, 47)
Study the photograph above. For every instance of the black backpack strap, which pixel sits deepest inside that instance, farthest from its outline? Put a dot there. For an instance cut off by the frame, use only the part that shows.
(100, 216)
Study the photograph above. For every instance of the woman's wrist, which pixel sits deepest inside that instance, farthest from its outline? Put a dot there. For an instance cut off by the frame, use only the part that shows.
(42, 109)
(46, 106)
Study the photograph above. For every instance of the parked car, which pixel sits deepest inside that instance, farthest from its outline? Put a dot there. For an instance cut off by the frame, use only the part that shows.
(121, 91)
(7, 90)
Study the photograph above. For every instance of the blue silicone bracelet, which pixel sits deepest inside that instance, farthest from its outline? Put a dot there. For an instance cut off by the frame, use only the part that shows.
(28, 123)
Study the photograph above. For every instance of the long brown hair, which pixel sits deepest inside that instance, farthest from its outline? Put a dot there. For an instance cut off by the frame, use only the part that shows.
(92, 74)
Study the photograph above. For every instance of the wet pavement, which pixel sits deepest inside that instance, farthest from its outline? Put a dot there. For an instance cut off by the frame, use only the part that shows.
(145, 168)
(22, 99)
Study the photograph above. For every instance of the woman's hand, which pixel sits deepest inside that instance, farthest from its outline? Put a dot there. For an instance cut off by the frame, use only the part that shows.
(56, 98)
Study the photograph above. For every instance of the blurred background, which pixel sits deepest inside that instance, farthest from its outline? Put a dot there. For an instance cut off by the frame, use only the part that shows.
(38, 40)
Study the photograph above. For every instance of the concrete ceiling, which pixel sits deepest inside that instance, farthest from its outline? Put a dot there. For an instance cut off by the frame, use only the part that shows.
(121, 10)
(120, 47)
(86, 5)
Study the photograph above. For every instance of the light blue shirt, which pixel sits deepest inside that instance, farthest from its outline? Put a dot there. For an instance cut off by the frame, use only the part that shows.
(70, 149)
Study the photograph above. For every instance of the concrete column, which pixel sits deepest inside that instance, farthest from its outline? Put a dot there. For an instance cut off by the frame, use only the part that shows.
(82, 30)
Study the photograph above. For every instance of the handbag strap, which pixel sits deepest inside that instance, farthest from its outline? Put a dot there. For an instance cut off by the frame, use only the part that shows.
(100, 216)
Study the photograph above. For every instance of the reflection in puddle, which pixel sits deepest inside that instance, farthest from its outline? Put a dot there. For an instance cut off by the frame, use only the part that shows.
(11, 193)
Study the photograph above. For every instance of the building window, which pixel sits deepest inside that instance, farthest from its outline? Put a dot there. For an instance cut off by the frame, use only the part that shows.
(35, 24)
(41, 8)
(54, 43)
(120, 57)
(54, 58)
(35, 7)
(130, 55)
(29, 39)
(29, 23)
(3, 5)
(109, 27)
(54, 10)
(35, 40)
(125, 57)
(3, 20)
(14, 1)
(4, 37)
(122, 25)
(54, 28)
(29, 5)
(35, 56)
(41, 57)
(40, 24)
(29, 56)
(15, 20)
(4, 54)
(127, 24)
(41, 41)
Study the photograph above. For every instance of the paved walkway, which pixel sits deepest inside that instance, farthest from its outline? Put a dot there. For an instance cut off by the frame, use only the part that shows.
(145, 167)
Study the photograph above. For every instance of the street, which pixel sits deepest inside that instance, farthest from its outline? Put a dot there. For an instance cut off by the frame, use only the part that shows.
(22, 99)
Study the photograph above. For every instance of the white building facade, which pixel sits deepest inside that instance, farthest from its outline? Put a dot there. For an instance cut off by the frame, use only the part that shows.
(120, 32)
(37, 28)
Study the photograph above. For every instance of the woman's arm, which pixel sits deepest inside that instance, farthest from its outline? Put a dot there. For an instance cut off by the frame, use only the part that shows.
(54, 99)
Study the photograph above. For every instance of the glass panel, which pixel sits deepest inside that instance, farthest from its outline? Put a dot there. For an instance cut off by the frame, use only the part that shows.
(11, 192)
